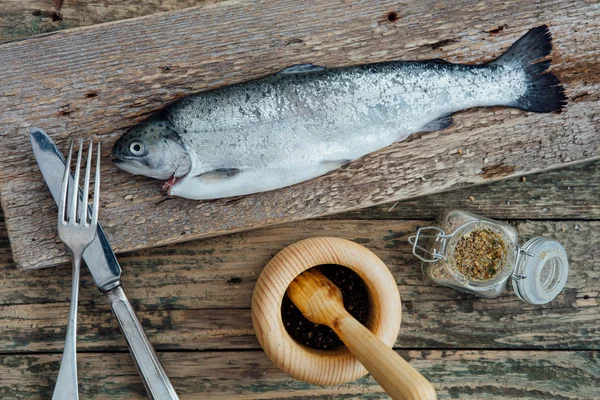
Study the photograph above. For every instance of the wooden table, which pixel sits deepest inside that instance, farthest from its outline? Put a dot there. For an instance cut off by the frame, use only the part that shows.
(193, 299)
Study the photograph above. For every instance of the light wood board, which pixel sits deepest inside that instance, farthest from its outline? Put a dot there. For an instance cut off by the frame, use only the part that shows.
(100, 80)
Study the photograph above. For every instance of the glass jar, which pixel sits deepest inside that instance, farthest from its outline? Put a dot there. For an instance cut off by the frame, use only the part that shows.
(478, 255)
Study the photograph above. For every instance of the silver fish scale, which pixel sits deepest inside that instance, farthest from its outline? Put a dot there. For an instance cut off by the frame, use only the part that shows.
(291, 121)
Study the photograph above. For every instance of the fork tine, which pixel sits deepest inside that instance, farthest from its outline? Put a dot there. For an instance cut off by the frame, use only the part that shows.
(63, 191)
(83, 212)
(75, 191)
(96, 204)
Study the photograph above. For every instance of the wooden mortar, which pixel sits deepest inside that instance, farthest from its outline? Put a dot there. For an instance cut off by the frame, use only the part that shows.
(321, 302)
(322, 367)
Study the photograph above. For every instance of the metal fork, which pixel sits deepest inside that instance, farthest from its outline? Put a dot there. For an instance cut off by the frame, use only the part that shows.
(77, 232)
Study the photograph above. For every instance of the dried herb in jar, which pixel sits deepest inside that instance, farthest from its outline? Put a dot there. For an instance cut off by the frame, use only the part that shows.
(479, 255)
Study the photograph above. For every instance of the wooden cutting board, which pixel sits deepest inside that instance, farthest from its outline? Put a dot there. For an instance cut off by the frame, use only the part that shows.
(98, 81)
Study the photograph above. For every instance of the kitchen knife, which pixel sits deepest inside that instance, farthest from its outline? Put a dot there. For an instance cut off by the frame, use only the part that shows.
(105, 270)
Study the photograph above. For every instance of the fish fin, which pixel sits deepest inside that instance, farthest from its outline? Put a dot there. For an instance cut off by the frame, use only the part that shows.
(544, 92)
(439, 61)
(337, 163)
(219, 174)
(234, 199)
(438, 124)
(302, 69)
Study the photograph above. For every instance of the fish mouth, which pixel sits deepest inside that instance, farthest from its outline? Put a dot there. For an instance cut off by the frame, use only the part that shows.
(121, 159)
(120, 163)
(132, 166)
(171, 182)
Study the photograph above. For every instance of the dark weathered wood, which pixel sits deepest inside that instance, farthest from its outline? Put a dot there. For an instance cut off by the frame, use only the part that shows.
(567, 193)
(568, 323)
(220, 272)
(41, 328)
(121, 64)
(198, 295)
(23, 18)
(250, 374)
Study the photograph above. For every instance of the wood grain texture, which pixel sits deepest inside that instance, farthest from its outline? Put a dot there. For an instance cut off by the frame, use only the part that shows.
(567, 193)
(198, 295)
(98, 81)
(23, 18)
(463, 374)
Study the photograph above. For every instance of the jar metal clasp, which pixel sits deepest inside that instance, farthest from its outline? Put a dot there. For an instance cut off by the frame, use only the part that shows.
(440, 236)
(520, 254)
(429, 232)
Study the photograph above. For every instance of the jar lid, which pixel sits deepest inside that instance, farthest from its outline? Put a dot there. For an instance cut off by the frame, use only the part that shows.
(541, 271)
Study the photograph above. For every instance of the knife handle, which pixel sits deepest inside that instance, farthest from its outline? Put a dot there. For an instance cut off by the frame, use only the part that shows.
(156, 381)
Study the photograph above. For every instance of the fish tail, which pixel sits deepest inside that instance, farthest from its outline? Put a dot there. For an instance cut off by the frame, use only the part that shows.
(544, 91)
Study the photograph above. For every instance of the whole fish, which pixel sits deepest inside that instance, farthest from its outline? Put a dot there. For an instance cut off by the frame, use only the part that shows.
(307, 120)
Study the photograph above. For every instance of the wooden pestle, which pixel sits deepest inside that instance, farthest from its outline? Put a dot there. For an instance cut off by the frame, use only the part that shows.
(321, 303)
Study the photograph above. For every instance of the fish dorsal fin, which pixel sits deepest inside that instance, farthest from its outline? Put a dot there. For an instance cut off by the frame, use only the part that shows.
(219, 174)
(302, 69)
(438, 124)
(439, 61)
(334, 164)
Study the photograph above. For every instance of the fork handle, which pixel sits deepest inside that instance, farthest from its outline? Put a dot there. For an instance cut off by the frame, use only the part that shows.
(66, 387)
(153, 375)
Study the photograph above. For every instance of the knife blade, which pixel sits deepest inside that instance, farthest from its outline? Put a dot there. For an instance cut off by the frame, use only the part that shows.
(106, 271)
(99, 257)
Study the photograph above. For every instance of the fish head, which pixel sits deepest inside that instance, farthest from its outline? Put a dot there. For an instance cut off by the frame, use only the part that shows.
(154, 149)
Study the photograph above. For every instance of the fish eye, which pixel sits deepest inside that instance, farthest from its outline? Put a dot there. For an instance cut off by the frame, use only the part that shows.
(136, 148)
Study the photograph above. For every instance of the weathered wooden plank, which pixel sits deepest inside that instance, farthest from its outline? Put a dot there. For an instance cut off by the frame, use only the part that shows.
(198, 295)
(23, 18)
(41, 328)
(117, 80)
(567, 193)
(216, 375)
(464, 323)
(220, 272)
